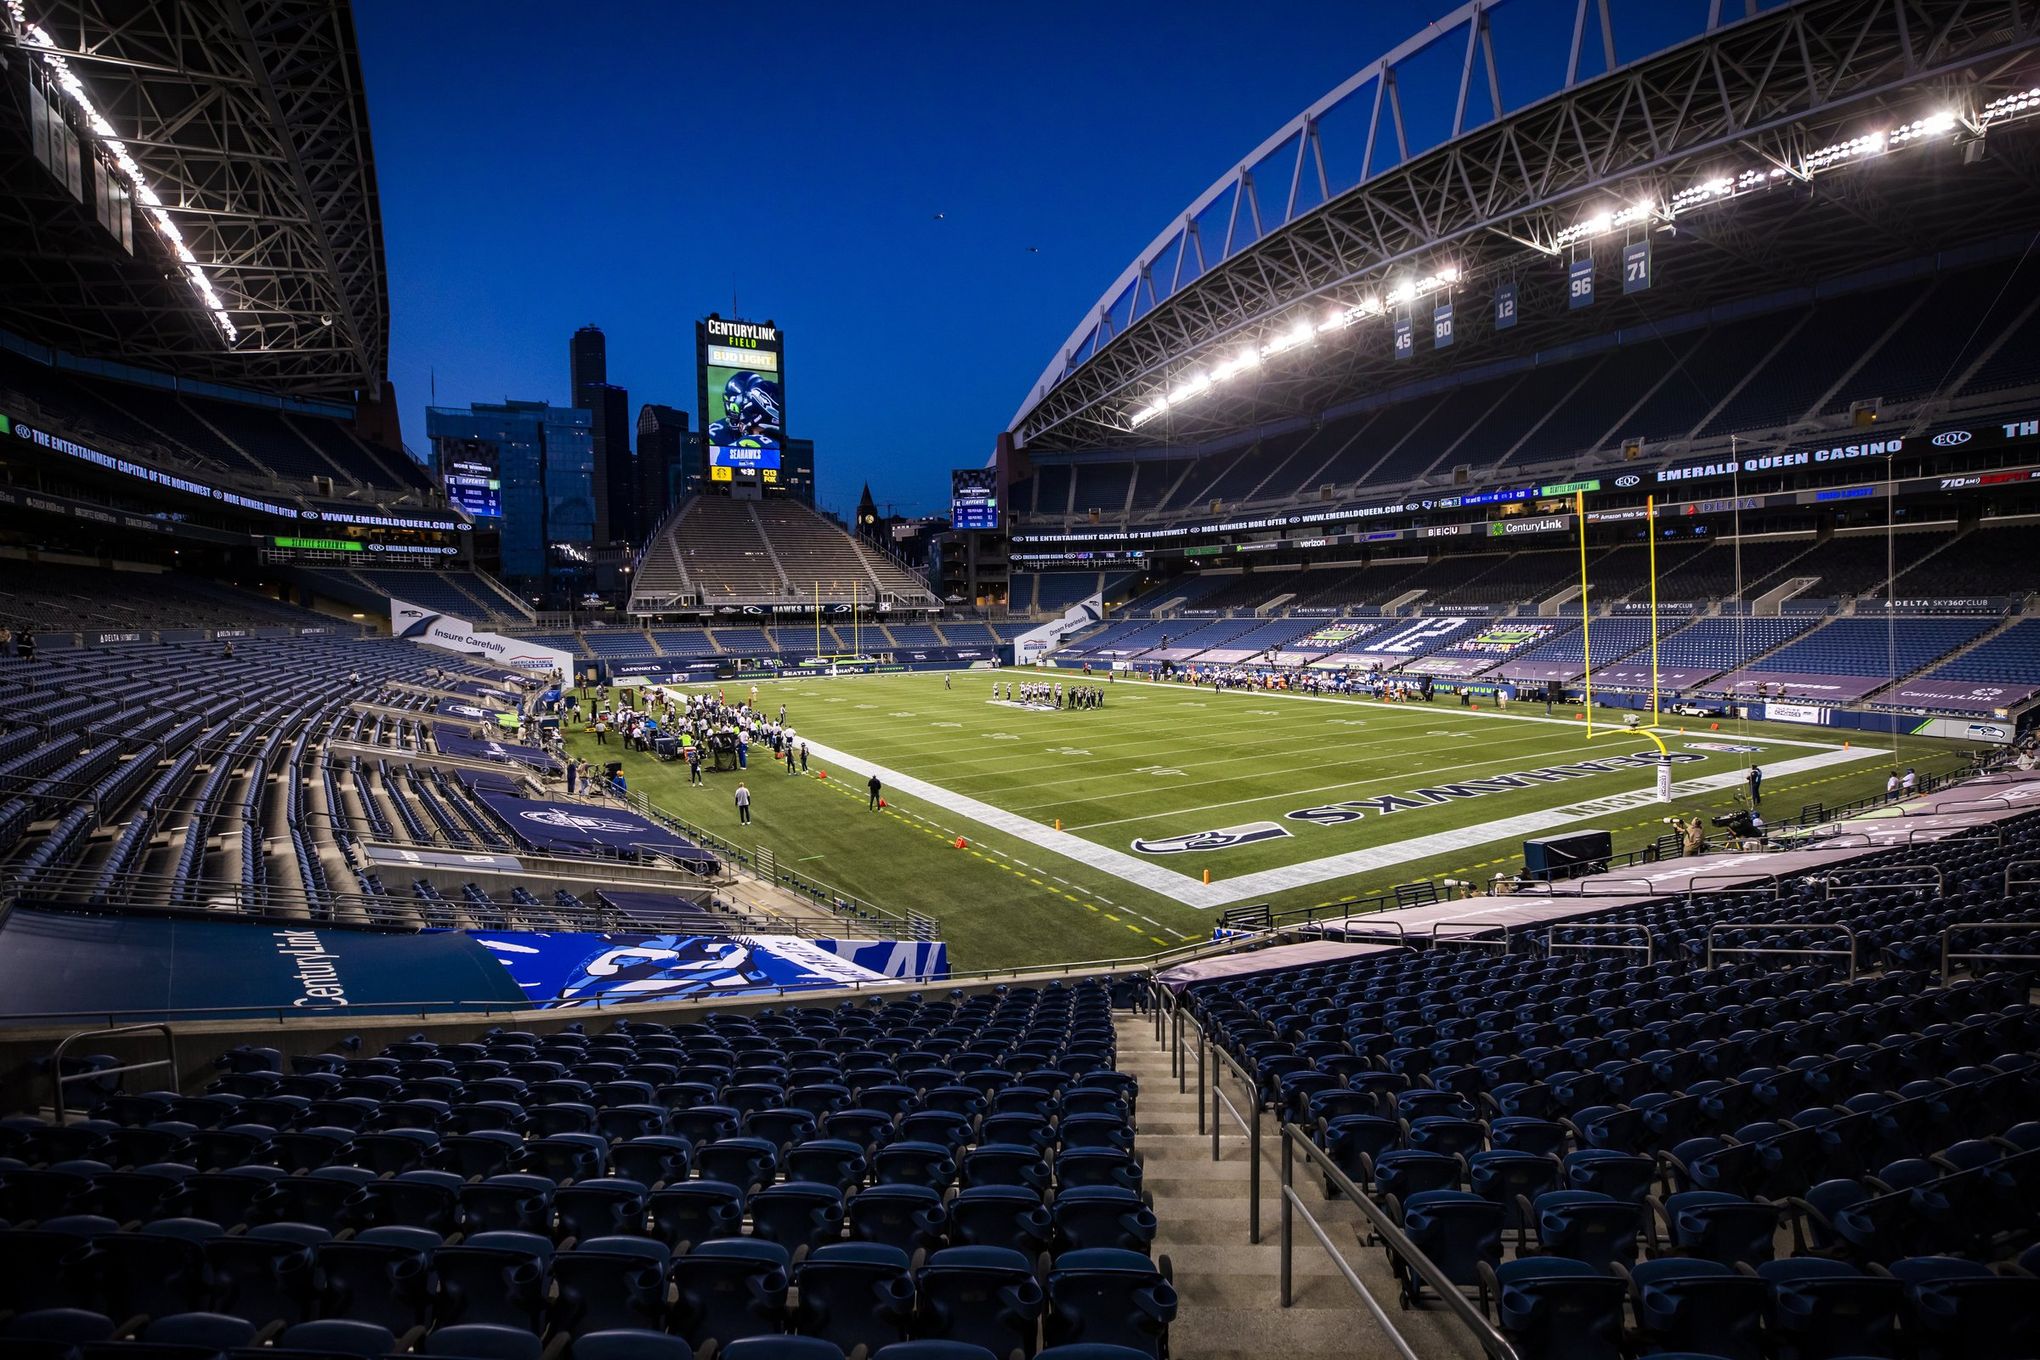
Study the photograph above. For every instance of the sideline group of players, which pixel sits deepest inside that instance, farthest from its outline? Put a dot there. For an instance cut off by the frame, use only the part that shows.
(1045, 695)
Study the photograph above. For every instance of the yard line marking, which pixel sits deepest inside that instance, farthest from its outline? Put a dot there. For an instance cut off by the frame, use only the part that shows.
(1399, 779)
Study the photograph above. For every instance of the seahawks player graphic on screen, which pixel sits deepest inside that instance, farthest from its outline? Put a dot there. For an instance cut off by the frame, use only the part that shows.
(752, 413)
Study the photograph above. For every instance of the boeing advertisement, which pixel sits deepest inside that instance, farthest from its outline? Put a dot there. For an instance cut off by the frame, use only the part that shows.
(743, 398)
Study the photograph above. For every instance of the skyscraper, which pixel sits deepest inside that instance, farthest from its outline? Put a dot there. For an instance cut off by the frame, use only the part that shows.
(615, 478)
(587, 364)
(542, 458)
(609, 409)
(661, 461)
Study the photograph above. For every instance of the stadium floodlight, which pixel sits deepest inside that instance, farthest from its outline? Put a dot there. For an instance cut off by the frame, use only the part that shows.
(2018, 104)
(36, 38)
(1603, 222)
(1933, 125)
(1855, 148)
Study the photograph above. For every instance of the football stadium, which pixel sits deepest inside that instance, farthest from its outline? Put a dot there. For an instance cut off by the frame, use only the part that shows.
(1462, 782)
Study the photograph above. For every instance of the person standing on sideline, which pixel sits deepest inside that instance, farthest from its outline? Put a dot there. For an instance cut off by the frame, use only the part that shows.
(1756, 785)
(744, 804)
(945, 679)
(789, 758)
(694, 763)
(1891, 788)
(803, 757)
(573, 775)
(874, 786)
(1909, 785)
(602, 731)
(782, 715)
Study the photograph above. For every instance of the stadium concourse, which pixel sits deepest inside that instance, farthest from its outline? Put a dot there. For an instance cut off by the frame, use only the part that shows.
(401, 955)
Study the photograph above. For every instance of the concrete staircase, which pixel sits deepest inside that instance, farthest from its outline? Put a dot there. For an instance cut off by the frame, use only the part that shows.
(1230, 1289)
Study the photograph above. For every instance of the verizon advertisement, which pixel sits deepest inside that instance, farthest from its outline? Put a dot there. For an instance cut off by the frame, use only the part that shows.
(420, 624)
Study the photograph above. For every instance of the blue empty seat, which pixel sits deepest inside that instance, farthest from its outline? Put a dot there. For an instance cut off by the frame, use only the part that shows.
(686, 1212)
(1556, 1308)
(797, 1214)
(1102, 1216)
(1458, 1230)
(987, 1296)
(1961, 1310)
(1717, 1226)
(1698, 1305)
(1597, 1229)
(498, 1278)
(1109, 1297)
(855, 1294)
(381, 1276)
(610, 1283)
(1820, 1308)
(731, 1288)
(1010, 1216)
(910, 1217)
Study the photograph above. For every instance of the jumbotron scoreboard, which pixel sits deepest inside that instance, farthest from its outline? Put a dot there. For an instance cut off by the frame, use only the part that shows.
(974, 498)
(743, 399)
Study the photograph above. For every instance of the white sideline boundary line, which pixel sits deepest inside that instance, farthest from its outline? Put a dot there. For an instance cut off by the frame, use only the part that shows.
(1206, 896)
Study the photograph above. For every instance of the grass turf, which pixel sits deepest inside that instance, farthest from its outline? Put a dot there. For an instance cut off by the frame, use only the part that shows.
(1164, 760)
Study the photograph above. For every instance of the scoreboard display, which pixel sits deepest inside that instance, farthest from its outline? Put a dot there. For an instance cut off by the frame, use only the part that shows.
(974, 498)
(470, 470)
(743, 398)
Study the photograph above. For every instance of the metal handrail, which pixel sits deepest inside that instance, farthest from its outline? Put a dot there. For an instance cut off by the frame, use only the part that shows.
(1251, 1126)
(1650, 889)
(1828, 877)
(58, 1077)
(1836, 926)
(1474, 931)
(1648, 947)
(1294, 1139)
(2017, 864)
(1382, 927)
(1947, 939)
(1732, 882)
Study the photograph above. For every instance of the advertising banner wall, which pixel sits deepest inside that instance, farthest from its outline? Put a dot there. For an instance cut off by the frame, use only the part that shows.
(58, 961)
(1036, 643)
(571, 970)
(480, 748)
(1960, 696)
(578, 828)
(55, 962)
(448, 633)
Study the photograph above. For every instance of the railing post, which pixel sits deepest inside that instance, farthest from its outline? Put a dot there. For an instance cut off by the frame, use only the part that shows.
(1200, 1078)
(1254, 1177)
(1288, 1223)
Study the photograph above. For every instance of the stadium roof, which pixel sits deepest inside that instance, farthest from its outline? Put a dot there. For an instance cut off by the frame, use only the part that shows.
(1755, 147)
(248, 122)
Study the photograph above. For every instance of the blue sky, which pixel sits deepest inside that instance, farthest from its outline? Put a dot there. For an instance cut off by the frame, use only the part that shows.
(638, 165)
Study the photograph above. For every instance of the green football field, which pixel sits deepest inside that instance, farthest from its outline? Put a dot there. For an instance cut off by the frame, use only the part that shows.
(1112, 832)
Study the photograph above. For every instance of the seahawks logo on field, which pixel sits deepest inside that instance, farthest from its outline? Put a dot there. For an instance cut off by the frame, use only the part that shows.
(1222, 839)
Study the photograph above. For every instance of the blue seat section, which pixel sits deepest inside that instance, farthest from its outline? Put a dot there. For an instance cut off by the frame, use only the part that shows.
(1878, 647)
(1790, 1154)
(566, 1190)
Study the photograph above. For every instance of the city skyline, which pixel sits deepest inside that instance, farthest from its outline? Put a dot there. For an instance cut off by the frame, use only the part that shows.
(881, 224)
